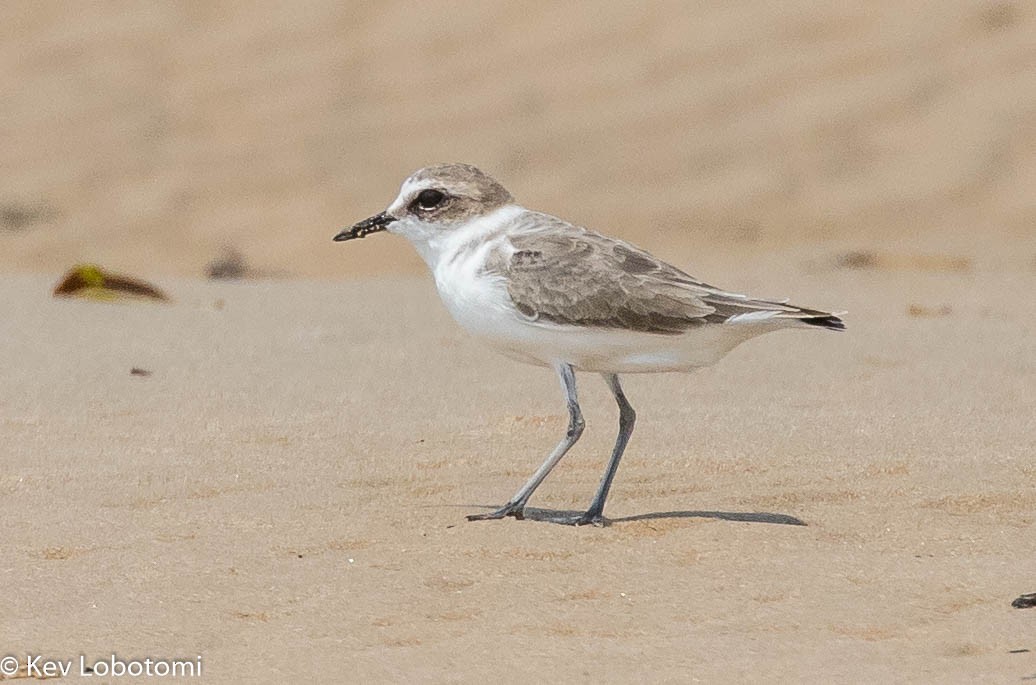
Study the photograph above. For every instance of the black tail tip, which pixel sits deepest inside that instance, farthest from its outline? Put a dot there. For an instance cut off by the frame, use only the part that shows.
(828, 321)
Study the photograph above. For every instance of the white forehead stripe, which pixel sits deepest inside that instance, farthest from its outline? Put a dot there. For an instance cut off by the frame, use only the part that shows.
(406, 190)
(412, 184)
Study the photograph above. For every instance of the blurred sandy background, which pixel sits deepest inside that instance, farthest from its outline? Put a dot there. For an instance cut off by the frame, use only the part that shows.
(273, 473)
(147, 136)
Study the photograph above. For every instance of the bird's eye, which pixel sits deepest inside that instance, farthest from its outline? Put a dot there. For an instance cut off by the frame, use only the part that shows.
(429, 199)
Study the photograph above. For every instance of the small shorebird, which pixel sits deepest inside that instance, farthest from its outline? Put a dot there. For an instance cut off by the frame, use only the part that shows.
(547, 292)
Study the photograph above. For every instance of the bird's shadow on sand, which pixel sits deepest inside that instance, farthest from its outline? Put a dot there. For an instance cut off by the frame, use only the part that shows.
(568, 517)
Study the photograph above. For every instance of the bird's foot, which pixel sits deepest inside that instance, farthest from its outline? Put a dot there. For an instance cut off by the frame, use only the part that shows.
(515, 510)
(591, 518)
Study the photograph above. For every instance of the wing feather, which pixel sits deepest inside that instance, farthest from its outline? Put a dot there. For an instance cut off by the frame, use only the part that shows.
(565, 274)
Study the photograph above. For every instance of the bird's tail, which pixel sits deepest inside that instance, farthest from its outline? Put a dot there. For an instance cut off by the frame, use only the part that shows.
(813, 317)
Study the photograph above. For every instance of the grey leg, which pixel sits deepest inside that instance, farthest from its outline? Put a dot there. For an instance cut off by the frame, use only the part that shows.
(627, 417)
(516, 505)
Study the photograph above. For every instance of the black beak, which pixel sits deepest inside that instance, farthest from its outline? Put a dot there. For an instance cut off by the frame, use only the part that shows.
(376, 223)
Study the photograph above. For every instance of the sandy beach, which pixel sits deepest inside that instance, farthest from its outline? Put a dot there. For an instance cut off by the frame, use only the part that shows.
(269, 476)
(285, 493)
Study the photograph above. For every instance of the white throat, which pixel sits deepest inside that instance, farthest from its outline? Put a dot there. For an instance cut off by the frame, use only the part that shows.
(437, 247)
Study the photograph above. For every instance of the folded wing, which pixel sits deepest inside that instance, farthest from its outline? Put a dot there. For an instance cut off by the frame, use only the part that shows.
(564, 274)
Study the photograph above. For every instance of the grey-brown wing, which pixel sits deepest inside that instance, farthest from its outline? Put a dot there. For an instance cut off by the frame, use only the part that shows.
(581, 278)
(565, 274)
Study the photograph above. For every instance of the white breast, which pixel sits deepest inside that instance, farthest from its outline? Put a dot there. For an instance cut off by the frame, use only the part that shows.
(477, 300)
